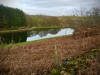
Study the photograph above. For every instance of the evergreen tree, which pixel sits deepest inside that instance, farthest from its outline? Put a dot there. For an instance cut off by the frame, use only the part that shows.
(11, 17)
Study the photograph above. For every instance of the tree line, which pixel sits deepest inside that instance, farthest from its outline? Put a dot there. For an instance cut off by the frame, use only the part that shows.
(11, 17)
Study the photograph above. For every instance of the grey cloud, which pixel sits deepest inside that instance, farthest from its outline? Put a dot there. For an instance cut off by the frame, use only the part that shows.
(61, 3)
(51, 7)
(11, 3)
(52, 12)
(49, 4)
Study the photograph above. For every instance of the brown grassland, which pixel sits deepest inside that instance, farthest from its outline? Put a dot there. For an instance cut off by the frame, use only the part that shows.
(38, 58)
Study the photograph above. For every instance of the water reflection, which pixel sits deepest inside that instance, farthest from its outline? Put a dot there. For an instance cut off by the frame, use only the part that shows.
(47, 33)
(13, 37)
(34, 35)
(42, 32)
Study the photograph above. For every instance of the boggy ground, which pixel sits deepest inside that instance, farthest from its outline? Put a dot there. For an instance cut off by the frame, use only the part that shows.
(38, 58)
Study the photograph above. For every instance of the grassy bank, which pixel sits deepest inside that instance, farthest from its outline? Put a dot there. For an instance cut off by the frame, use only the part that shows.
(24, 43)
(27, 29)
(16, 30)
(40, 56)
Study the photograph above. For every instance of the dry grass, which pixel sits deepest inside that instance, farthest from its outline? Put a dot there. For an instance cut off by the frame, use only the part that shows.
(38, 58)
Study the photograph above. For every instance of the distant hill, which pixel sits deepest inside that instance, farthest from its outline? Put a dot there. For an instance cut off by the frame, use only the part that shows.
(42, 20)
(13, 17)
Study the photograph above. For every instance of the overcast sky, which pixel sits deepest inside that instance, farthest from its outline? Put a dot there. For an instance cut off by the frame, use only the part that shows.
(50, 7)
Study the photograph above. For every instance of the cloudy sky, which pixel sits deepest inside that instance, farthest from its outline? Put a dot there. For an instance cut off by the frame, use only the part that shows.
(50, 7)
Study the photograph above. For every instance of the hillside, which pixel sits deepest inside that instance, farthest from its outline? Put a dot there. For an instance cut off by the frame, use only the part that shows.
(13, 17)
(42, 20)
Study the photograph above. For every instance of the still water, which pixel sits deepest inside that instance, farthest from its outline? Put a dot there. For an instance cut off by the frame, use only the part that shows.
(48, 33)
(36, 34)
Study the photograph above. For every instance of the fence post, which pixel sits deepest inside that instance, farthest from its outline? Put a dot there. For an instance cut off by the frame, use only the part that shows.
(55, 55)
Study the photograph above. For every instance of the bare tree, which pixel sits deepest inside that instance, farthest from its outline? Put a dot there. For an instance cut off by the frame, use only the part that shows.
(87, 18)
(88, 21)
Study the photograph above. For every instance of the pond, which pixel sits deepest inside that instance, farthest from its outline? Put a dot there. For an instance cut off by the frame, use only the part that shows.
(35, 34)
